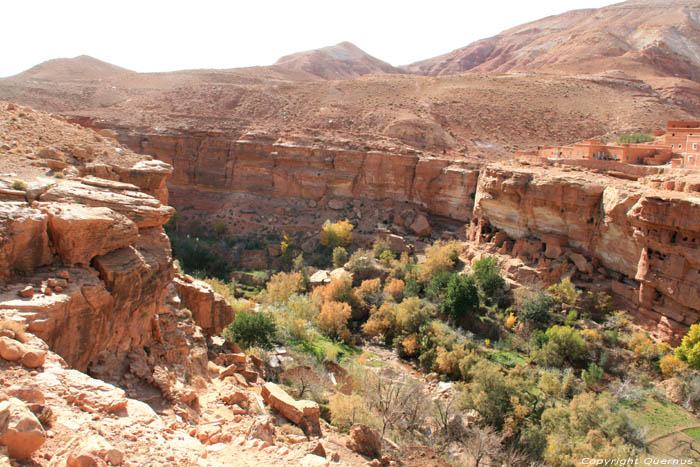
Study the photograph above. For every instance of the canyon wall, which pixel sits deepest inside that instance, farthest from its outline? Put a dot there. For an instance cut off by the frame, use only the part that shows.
(640, 244)
(262, 166)
(636, 240)
(83, 257)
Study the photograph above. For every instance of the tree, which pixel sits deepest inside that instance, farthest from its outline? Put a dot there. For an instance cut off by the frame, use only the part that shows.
(689, 350)
(488, 275)
(251, 329)
(283, 285)
(537, 308)
(482, 443)
(461, 298)
(340, 256)
(335, 234)
(333, 319)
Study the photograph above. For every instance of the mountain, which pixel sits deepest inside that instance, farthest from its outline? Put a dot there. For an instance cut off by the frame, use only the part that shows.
(81, 68)
(644, 38)
(340, 61)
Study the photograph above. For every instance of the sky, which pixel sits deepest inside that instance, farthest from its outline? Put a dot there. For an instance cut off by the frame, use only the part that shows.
(154, 35)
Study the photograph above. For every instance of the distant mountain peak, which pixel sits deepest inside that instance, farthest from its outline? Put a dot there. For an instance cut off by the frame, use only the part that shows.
(81, 68)
(341, 61)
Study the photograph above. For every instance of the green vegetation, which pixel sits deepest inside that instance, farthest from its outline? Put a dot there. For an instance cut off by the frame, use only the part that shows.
(550, 376)
(19, 185)
(251, 330)
(636, 138)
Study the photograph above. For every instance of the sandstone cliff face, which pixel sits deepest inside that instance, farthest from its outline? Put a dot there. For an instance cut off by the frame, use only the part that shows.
(277, 170)
(84, 260)
(641, 244)
(96, 258)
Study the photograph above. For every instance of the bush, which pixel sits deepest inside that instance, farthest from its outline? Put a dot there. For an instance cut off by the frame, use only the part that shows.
(537, 309)
(199, 258)
(394, 289)
(380, 246)
(593, 375)
(412, 288)
(488, 275)
(296, 317)
(370, 292)
(565, 293)
(564, 344)
(220, 229)
(283, 285)
(404, 267)
(387, 258)
(349, 410)
(437, 286)
(671, 366)
(689, 350)
(335, 234)
(333, 319)
(361, 264)
(340, 256)
(440, 256)
(19, 185)
(461, 298)
(338, 290)
(251, 330)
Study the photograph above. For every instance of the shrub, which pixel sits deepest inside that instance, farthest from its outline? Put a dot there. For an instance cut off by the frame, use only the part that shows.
(333, 319)
(412, 314)
(437, 286)
(296, 317)
(404, 267)
(361, 264)
(440, 256)
(251, 329)
(412, 288)
(381, 322)
(593, 375)
(671, 365)
(394, 289)
(644, 348)
(564, 344)
(220, 229)
(338, 290)
(448, 362)
(387, 258)
(689, 350)
(349, 410)
(511, 320)
(565, 293)
(537, 308)
(488, 275)
(59, 174)
(370, 292)
(461, 298)
(340, 256)
(19, 185)
(379, 246)
(335, 234)
(283, 285)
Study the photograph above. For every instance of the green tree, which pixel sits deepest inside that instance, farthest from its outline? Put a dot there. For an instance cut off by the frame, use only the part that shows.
(689, 350)
(488, 275)
(251, 330)
(537, 308)
(462, 297)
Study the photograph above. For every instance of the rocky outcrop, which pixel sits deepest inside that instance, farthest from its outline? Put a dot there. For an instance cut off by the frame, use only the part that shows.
(642, 245)
(210, 311)
(20, 431)
(305, 414)
(261, 166)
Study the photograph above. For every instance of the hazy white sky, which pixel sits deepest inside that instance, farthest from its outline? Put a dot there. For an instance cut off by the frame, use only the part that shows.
(154, 35)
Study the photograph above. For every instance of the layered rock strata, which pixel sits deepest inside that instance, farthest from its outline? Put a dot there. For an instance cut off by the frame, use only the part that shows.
(641, 244)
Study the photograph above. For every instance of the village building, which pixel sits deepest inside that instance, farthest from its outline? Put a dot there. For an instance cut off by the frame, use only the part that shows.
(678, 146)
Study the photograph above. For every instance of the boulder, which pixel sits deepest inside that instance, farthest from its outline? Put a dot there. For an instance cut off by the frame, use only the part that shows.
(27, 292)
(421, 226)
(34, 358)
(20, 431)
(582, 264)
(210, 310)
(305, 414)
(11, 349)
(319, 450)
(263, 429)
(365, 440)
(79, 233)
(319, 278)
(25, 243)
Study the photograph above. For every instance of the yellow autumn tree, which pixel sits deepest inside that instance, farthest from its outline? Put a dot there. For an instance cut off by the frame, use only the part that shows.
(335, 234)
